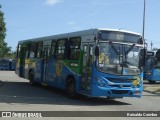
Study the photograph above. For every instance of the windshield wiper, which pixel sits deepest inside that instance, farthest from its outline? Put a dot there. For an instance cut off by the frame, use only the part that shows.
(114, 48)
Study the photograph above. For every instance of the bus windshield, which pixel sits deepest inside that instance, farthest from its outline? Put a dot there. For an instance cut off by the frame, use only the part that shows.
(149, 62)
(120, 59)
(152, 60)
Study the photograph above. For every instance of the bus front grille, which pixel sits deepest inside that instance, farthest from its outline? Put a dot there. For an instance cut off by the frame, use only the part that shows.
(119, 91)
(120, 86)
(119, 80)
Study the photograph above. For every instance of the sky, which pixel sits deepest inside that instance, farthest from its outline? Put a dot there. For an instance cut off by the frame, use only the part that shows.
(26, 19)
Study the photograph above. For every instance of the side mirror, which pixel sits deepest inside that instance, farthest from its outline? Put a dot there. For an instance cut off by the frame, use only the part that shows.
(96, 52)
(142, 58)
(158, 55)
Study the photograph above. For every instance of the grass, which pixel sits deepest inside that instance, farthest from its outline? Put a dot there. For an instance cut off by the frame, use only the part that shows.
(158, 90)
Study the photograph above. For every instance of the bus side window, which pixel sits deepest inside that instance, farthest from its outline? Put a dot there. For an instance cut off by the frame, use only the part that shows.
(39, 50)
(27, 51)
(91, 55)
(74, 48)
(32, 50)
(46, 52)
(53, 48)
(18, 51)
(60, 49)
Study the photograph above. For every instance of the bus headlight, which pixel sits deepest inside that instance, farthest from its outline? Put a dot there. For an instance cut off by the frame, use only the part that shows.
(148, 73)
(100, 82)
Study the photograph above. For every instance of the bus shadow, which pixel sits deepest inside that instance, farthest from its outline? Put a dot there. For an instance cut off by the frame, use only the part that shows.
(24, 93)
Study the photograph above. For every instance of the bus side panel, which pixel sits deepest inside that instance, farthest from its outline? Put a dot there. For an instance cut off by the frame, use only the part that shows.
(152, 74)
(58, 72)
(17, 66)
(52, 78)
(148, 75)
(39, 70)
(66, 71)
(30, 65)
(155, 74)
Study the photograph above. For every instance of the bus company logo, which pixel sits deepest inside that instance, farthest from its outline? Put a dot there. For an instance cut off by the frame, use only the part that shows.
(6, 114)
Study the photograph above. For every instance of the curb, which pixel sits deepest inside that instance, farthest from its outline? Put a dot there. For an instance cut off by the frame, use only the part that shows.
(152, 92)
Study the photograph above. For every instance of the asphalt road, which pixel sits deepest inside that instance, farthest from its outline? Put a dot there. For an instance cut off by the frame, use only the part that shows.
(16, 94)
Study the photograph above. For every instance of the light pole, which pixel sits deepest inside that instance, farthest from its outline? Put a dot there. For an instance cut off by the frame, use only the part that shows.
(144, 14)
(143, 29)
(151, 45)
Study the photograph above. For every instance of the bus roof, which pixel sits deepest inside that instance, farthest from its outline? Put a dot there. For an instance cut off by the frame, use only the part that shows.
(75, 34)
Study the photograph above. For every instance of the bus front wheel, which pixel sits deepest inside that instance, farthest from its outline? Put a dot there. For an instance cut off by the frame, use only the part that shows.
(71, 88)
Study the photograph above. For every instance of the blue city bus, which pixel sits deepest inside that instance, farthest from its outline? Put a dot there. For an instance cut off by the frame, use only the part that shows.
(152, 66)
(4, 64)
(94, 62)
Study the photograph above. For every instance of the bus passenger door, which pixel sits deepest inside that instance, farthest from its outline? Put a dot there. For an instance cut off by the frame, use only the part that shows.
(22, 62)
(87, 67)
(46, 58)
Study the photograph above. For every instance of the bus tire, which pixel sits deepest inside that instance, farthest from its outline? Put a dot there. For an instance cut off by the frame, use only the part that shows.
(151, 81)
(31, 78)
(71, 88)
(1, 83)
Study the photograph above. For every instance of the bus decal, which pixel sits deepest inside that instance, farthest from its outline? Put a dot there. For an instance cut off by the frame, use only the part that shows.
(136, 81)
(59, 67)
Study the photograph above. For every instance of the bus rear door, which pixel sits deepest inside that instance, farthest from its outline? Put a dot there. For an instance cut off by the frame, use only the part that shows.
(22, 61)
(46, 52)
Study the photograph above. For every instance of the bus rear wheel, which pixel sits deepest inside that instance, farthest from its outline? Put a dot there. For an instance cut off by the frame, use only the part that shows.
(31, 78)
(71, 88)
(151, 82)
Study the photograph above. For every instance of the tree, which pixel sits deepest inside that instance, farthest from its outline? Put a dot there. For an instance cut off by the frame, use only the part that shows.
(4, 49)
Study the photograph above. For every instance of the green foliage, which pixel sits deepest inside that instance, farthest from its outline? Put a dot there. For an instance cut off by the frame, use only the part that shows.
(11, 55)
(4, 49)
(2, 26)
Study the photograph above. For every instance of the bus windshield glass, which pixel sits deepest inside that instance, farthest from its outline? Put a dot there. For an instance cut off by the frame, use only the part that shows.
(118, 61)
(120, 37)
(149, 62)
(152, 60)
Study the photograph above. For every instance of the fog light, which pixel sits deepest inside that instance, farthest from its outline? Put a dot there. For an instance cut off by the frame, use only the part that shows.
(137, 93)
(100, 82)
(148, 73)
